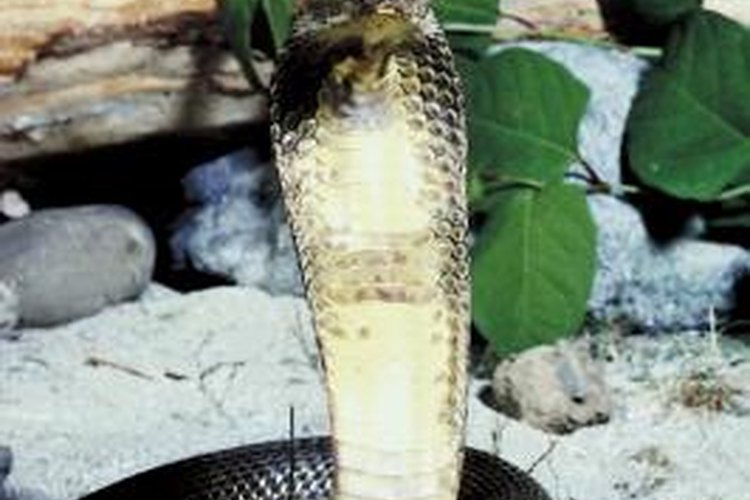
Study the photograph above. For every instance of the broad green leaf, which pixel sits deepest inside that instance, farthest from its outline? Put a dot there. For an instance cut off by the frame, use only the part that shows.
(470, 45)
(533, 267)
(689, 129)
(279, 16)
(523, 115)
(657, 11)
(467, 11)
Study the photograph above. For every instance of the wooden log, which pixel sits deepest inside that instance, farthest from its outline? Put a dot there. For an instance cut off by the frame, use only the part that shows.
(580, 18)
(76, 74)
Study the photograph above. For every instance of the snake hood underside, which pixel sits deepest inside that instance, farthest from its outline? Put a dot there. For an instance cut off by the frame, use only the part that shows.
(370, 146)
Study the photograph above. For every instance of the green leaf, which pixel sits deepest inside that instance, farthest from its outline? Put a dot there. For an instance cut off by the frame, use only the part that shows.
(466, 11)
(658, 11)
(689, 129)
(279, 15)
(533, 267)
(469, 45)
(238, 16)
(523, 116)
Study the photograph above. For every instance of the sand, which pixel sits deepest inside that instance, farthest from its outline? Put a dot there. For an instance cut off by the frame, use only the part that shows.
(173, 375)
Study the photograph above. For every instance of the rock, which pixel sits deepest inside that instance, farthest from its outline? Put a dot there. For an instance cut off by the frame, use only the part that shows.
(157, 291)
(63, 264)
(9, 308)
(237, 229)
(12, 204)
(658, 287)
(557, 389)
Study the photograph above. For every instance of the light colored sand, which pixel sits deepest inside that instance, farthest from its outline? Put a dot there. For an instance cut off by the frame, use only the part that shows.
(74, 426)
(246, 356)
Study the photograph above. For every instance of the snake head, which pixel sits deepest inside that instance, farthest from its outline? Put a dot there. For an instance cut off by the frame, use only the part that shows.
(365, 45)
(317, 15)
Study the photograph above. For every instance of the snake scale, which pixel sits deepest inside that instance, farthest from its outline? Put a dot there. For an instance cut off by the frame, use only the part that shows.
(369, 139)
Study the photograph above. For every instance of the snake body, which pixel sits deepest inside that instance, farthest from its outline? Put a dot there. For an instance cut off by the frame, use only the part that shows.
(369, 139)
(370, 153)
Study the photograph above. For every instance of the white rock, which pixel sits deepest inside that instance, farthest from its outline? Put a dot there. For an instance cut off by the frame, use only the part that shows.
(66, 263)
(658, 288)
(9, 308)
(12, 204)
(554, 388)
(653, 448)
(237, 229)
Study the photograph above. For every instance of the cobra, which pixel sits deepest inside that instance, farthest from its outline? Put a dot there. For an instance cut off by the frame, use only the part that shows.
(369, 139)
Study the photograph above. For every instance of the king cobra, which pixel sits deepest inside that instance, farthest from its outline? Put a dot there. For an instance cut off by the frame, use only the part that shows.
(369, 139)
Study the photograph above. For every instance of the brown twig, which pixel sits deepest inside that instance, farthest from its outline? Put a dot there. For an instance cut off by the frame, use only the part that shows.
(97, 362)
(543, 456)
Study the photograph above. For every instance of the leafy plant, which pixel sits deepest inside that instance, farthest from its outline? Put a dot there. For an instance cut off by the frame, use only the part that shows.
(466, 11)
(523, 116)
(533, 266)
(534, 258)
(239, 16)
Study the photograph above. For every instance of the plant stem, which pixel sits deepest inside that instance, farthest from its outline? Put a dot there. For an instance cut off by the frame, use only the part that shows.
(520, 20)
(602, 187)
(537, 33)
(479, 29)
(490, 29)
(736, 192)
(590, 170)
(501, 183)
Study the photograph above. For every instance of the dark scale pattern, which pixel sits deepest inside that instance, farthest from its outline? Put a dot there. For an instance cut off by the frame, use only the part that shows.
(261, 472)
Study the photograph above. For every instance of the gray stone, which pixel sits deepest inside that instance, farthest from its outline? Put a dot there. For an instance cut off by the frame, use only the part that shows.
(155, 291)
(63, 264)
(9, 308)
(238, 230)
(658, 287)
(557, 389)
(12, 204)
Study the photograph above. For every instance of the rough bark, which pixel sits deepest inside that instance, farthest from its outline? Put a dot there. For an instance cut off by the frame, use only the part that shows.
(581, 18)
(75, 74)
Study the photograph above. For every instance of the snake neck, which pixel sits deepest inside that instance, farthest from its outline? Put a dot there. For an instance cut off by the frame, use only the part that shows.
(369, 140)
